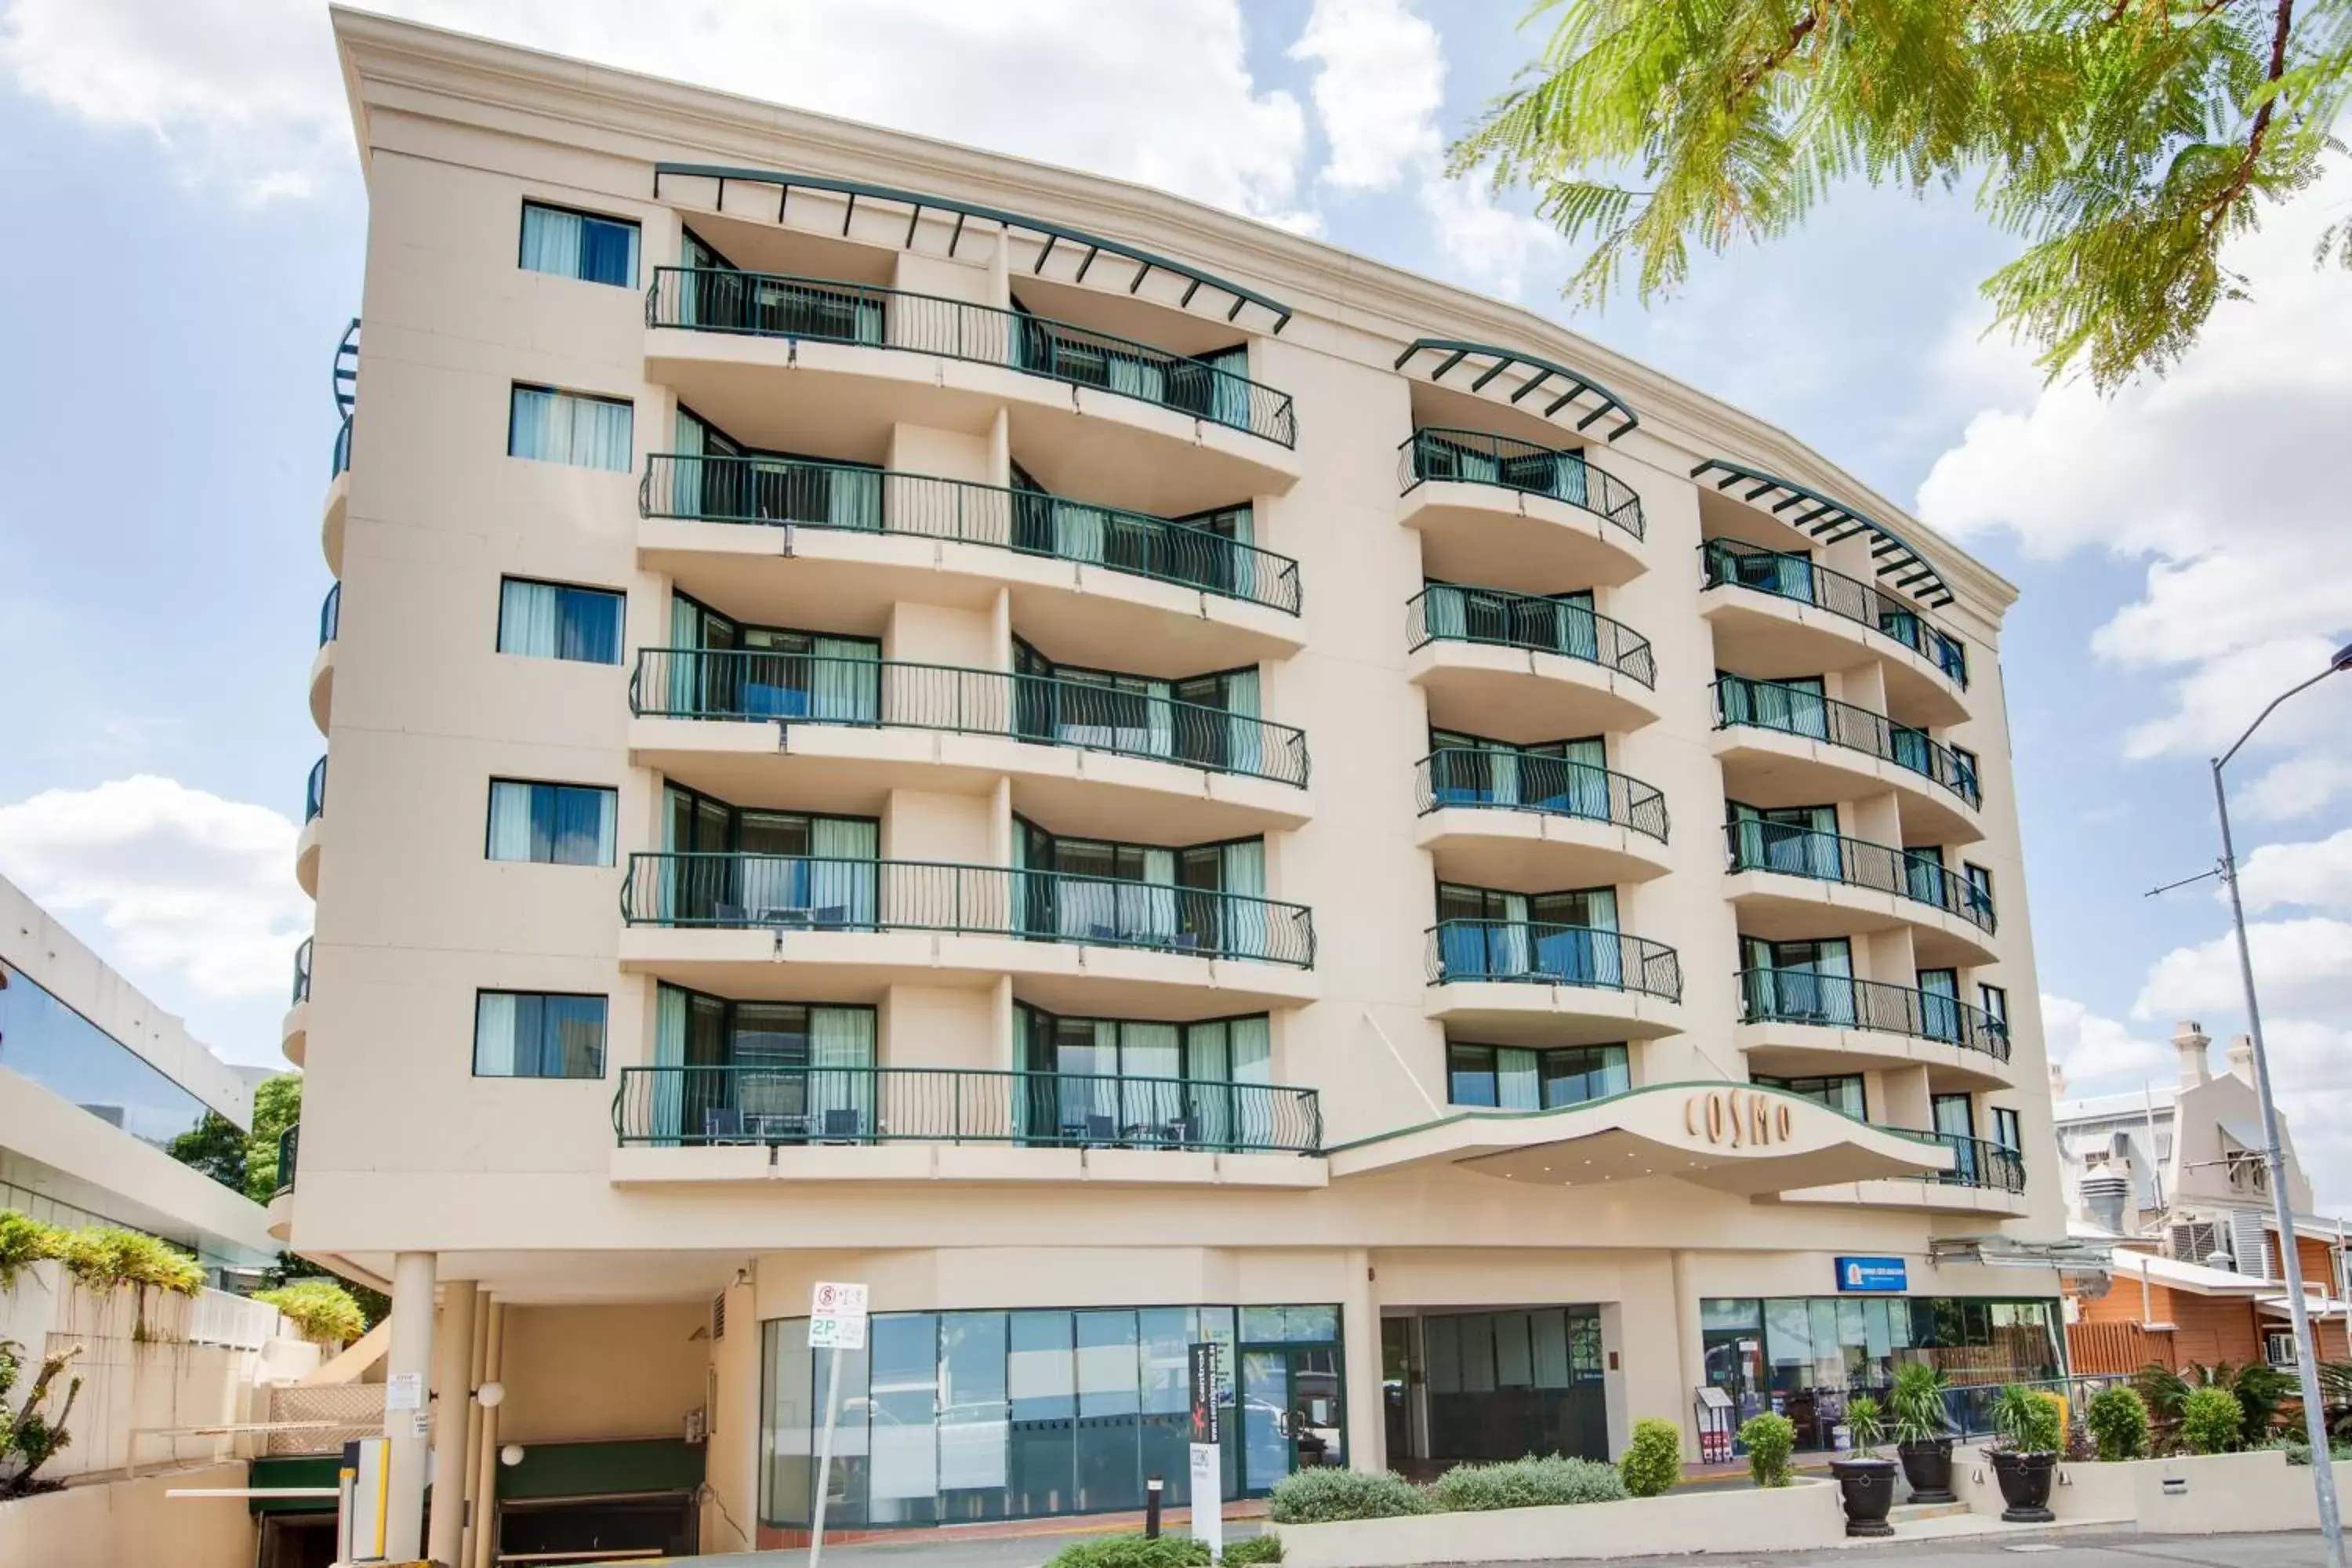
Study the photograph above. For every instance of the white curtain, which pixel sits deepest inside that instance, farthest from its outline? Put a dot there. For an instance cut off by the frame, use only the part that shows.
(1251, 1044)
(847, 684)
(1245, 741)
(567, 427)
(686, 468)
(1507, 944)
(1243, 875)
(494, 1033)
(1518, 1086)
(841, 879)
(1155, 921)
(510, 821)
(1151, 1051)
(1138, 377)
(853, 498)
(1079, 531)
(669, 1098)
(550, 240)
(1159, 719)
(1208, 1070)
(530, 618)
(1443, 613)
(1229, 395)
(841, 1059)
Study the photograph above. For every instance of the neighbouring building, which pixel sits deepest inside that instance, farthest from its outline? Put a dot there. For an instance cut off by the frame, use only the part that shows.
(1124, 778)
(2173, 1178)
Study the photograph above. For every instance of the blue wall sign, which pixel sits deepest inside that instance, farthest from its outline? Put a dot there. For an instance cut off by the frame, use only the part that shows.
(1871, 1273)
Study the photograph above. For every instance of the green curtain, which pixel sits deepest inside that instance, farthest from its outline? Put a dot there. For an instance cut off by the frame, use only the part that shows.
(1244, 751)
(847, 684)
(1242, 873)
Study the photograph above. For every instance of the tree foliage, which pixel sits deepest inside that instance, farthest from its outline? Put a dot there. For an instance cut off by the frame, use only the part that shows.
(214, 1146)
(29, 1434)
(2122, 141)
(276, 1105)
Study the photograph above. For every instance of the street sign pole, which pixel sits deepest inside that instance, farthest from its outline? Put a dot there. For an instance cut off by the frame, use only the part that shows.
(825, 1459)
(837, 1323)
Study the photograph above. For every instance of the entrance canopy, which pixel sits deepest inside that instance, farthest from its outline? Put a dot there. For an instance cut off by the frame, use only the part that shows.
(1734, 1137)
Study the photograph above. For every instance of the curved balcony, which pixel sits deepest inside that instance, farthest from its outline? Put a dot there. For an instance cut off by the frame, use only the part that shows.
(1984, 1177)
(1798, 619)
(1846, 887)
(1492, 509)
(1082, 943)
(293, 1034)
(1795, 1023)
(1092, 757)
(314, 826)
(933, 1123)
(1093, 405)
(278, 1219)
(1783, 745)
(323, 666)
(1521, 667)
(1528, 982)
(339, 480)
(862, 540)
(1507, 819)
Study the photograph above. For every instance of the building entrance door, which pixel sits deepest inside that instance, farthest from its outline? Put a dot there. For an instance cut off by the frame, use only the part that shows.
(1292, 1413)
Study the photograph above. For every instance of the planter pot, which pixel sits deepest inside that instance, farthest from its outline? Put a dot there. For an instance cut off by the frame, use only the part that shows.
(2025, 1485)
(1927, 1470)
(1868, 1491)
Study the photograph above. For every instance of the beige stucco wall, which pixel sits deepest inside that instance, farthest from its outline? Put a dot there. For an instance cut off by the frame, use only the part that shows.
(107, 1524)
(514, 1182)
(585, 1372)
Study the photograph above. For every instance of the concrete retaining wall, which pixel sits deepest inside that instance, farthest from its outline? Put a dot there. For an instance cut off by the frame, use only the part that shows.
(2220, 1493)
(131, 1522)
(1742, 1518)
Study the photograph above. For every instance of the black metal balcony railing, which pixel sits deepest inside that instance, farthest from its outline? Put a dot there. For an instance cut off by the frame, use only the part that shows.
(1794, 710)
(330, 614)
(1795, 577)
(302, 970)
(1443, 612)
(1830, 857)
(1839, 1001)
(774, 491)
(347, 387)
(777, 305)
(1480, 458)
(1544, 955)
(793, 892)
(314, 791)
(815, 689)
(288, 1142)
(715, 1106)
(1977, 1162)
(1554, 786)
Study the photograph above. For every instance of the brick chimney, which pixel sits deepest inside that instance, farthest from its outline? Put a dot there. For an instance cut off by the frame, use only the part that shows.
(2190, 1040)
(2241, 1060)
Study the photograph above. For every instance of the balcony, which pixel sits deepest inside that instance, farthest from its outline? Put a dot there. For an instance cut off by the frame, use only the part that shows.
(322, 666)
(1983, 1178)
(1794, 883)
(1491, 509)
(293, 1034)
(1527, 982)
(1796, 1023)
(890, 356)
(339, 481)
(850, 730)
(1798, 619)
(1784, 745)
(314, 828)
(861, 540)
(1083, 944)
(1523, 669)
(1514, 820)
(932, 1123)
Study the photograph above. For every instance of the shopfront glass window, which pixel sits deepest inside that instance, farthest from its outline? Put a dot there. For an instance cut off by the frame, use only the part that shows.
(975, 1434)
(1042, 1381)
(1109, 1398)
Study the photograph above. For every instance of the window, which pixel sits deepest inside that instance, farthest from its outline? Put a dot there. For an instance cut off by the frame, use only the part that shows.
(557, 825)
(578, 244)
(538, 1034)
(2278, 1347)
(1964, 763)
(552, 620)
(1994, 1000)
(573, 427)
(1840, 1093)
(73, 1058)
(1513, 1077)
(1979, 880)
(2005, 1129)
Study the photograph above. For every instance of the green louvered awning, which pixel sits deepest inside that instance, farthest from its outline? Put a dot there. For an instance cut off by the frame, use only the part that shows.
(1561, 387)
(1832, 522)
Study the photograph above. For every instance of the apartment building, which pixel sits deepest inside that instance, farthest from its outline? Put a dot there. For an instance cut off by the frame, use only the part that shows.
(98, 1088)
(1124, 778)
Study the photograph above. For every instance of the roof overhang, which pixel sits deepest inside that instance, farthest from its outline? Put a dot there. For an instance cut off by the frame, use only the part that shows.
(1831, 521)
(1557, 386)
(1733, 1137)
(1049, 238)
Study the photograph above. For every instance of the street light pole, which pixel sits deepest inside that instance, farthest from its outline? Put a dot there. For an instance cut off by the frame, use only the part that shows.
(2306, 1353)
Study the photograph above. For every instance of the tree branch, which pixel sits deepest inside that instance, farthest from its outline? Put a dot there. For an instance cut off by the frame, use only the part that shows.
(2239, 178)
(1773, 58)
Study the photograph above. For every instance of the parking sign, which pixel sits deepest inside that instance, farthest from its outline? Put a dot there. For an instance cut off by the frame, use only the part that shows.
(837, 1316)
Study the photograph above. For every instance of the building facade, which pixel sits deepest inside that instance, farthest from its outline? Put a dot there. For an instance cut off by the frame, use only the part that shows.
(1123, 778)
(98, 1088)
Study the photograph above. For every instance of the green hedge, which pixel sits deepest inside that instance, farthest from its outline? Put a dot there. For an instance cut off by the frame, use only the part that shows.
(1653, 1462)
(1526, 1483)
(1326, 1496)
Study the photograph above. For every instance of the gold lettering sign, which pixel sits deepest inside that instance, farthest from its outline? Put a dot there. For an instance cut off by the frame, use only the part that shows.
(1738, 1118)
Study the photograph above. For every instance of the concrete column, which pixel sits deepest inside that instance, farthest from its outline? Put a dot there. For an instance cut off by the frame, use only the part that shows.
(409, 1358)
(452, 1393)
(485, 1458)
(474, 1372)
(1000, 449)
(1691, 1345)
(1360, 1333)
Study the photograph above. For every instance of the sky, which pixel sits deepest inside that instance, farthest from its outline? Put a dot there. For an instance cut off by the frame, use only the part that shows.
(190, 166)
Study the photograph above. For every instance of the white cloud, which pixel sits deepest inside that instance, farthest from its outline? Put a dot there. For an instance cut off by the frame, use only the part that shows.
(2312, 876)
(1154, 91)
(185, 888)
(1492, 247)
(2224, 478)
(2303, 967)
(2098, 1055)
(1377, 95)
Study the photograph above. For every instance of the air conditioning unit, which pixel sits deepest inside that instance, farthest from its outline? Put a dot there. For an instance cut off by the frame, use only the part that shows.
(2193, 1241)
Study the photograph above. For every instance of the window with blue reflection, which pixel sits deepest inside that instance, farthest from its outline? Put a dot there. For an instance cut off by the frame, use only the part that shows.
(65, 1053)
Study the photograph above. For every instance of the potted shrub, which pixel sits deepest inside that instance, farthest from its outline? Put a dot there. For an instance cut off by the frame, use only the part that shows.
(1769, 1440)
(1923, 1430)
(1865, 1480)
(2118, 1418)
(2025, 1459)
